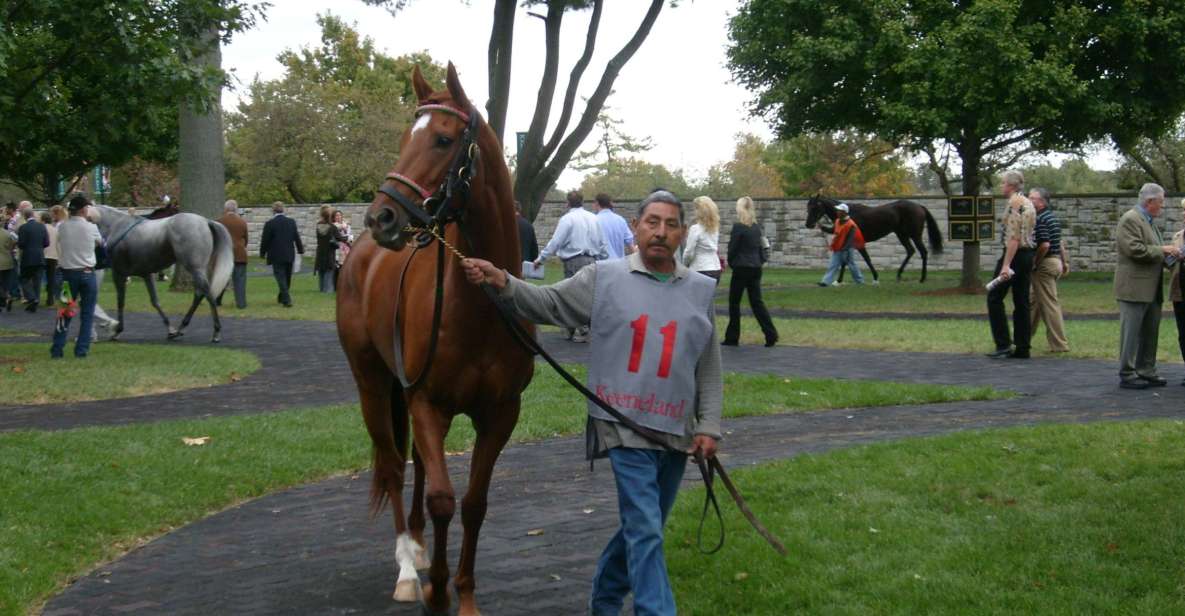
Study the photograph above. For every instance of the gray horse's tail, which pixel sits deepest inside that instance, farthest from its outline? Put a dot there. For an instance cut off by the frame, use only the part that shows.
(222, 261)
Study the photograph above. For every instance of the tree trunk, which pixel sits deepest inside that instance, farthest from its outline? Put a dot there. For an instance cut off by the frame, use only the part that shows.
(537, 168)
(202, 172)
(501, 45)
(969, 279)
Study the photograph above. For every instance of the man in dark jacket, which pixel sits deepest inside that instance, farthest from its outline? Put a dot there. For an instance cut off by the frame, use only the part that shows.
(279, 245)
(528, 244)
(32, 238)
(238, 237)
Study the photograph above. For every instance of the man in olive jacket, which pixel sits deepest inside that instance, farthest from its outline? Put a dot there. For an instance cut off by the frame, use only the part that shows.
(1139, 289)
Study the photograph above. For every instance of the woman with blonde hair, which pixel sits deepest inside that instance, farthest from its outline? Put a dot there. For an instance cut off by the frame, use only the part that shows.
(701, 249)
(745, 257)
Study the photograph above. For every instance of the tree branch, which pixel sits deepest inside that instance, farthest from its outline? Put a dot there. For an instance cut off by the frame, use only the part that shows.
(528, 160)
(553, 169)
(501, 46)
(939, 169)
(999, 145)
(574, 81)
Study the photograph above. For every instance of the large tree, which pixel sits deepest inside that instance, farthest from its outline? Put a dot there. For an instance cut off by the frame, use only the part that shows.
(546, 153)
(993, 79)
(748, 173)
(329, 127)
(100, 81)
(1160, 159)
(631, 179)
(843, 163)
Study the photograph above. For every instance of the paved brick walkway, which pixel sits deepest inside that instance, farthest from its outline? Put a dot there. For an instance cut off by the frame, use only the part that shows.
(301, 364)
(312, 549)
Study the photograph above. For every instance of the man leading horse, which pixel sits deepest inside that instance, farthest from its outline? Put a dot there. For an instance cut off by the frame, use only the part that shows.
(654, 356)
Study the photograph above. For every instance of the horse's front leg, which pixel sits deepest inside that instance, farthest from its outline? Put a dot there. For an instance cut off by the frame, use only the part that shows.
(493, 430)
(868, 261)
(415, 519)
(150, 283)
(430, 425)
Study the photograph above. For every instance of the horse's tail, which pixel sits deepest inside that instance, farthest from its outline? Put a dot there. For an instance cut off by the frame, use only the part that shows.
(933, 231)
(222, 261)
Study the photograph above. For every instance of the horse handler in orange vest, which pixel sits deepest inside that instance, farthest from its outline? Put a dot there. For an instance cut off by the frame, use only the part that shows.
(655, 358)
(843, 246)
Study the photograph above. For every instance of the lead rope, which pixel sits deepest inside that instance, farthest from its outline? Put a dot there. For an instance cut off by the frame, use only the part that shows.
(709, 468)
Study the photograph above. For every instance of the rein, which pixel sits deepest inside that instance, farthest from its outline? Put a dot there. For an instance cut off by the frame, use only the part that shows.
(112, 245)
(431, 227)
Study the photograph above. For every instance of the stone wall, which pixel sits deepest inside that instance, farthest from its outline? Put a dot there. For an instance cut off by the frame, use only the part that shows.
(1088, 230)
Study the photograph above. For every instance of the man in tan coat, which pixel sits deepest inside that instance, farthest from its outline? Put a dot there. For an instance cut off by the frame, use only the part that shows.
(1139, 288)
(238, 236)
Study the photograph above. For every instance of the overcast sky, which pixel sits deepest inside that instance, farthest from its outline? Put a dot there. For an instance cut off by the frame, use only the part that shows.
(676, 89)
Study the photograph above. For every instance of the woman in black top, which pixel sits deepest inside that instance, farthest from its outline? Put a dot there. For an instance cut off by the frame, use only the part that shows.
(745, 258)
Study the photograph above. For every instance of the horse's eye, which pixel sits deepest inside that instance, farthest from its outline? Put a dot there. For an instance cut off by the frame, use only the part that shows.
(443, 142)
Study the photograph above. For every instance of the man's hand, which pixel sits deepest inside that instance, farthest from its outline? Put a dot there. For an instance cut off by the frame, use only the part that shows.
(1005, 273)
(1065, 268)
(704, 445)
(480, 270)
(537, 262)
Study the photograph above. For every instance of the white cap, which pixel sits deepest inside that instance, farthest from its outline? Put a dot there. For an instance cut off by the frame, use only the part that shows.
(843, 207)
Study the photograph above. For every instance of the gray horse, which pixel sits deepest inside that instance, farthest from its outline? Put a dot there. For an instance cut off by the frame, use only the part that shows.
(140, 247)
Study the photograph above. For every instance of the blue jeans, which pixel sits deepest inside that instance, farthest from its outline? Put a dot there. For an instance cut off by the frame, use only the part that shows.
(839, 259)
(647, 482)
(85, 291)
(326, 281)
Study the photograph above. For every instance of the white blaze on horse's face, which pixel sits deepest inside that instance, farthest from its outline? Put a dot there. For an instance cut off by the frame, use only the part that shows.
(421, 122)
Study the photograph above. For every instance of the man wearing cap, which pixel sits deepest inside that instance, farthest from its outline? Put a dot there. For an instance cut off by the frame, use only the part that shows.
(847, 237)
(77, 239)
(654, 357)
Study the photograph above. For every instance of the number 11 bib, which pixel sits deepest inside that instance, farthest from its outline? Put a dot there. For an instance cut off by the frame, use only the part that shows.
(646, 338)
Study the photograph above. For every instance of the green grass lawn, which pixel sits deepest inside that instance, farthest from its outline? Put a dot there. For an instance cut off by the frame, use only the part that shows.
(308, 303)
(796, 289)
(1088, 339)
(113, 370)
(1076, 519)
(76, 498)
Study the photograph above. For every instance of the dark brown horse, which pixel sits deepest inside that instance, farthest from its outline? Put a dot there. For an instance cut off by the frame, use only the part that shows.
(477, 369)
(906, 219)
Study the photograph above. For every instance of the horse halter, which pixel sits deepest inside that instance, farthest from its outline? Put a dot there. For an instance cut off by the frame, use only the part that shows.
(436, 209)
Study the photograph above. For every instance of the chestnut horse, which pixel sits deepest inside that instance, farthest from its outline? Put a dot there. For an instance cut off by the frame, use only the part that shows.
(388, 287)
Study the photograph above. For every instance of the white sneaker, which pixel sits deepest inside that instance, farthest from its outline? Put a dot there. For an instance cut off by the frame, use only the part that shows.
(837, 284)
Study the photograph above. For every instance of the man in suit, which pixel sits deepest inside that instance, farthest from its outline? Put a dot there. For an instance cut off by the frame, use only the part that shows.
(279, 245)
(32, 238)
(238, 237)
(1139, 288)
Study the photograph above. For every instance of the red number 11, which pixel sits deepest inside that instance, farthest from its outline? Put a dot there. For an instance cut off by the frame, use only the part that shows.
(668, 331)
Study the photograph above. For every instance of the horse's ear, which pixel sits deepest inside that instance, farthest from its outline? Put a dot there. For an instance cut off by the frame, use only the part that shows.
(454, 88)
(423, 90)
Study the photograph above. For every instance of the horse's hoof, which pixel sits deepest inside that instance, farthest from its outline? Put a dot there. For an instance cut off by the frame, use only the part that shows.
(408, 591)
(427, 598)
(216, 340)
(175, 335)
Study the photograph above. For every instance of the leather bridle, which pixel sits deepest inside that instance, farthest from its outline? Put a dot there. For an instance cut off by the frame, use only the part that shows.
(437, 209)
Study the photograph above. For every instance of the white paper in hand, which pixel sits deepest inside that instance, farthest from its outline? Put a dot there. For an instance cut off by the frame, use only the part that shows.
(531, 271)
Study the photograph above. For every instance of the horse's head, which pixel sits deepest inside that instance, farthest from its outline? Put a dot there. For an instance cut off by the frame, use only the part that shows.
(437, 160)
(817, 207)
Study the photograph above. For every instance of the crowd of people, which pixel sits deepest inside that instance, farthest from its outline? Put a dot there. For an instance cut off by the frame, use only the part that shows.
(582, 237)
(34, 252)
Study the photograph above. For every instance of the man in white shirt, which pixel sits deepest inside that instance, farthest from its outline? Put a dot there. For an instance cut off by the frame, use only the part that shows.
(77, 239)
(619, 240)
(578, 242)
